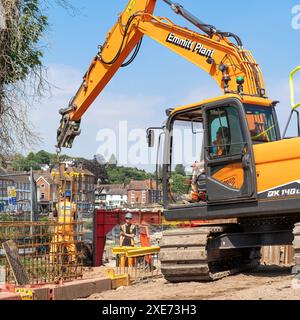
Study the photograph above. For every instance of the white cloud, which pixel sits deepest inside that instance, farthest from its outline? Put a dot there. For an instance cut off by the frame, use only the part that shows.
(64, 80)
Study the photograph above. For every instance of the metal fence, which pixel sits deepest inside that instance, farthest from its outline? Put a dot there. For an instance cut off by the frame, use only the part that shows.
(48, 251)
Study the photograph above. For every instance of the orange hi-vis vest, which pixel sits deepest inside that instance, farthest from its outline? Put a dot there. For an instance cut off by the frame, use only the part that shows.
(123, 228)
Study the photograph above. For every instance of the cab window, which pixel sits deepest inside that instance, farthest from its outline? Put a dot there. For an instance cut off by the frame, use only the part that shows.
(224, 132)
(261, 123)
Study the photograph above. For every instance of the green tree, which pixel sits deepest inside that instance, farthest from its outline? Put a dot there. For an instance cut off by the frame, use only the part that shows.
(22, 76)
(180, 169)
(20, 69)
(179, 184)
(97, 167)
(44, 157)
(119, 174)
(19, 162)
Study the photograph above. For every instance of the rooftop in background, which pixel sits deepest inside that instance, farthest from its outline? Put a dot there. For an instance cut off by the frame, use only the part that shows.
(117, 192)
(45, 174)
(111, 186)
(17, 176)
(141, 185)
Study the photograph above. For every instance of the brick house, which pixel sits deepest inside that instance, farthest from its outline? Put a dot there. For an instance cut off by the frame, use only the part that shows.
(45, 190)
(142, 193)
(110, 196)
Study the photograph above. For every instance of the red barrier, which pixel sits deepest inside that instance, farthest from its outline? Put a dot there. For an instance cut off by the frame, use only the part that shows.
(105, 221)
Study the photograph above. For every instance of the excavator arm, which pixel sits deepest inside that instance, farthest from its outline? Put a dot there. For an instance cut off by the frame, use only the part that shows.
(233, 68)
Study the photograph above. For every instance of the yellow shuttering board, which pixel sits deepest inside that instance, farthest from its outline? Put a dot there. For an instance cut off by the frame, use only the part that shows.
(26, 294)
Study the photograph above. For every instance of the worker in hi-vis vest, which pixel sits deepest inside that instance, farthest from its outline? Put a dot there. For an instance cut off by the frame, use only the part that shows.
(127, 234)
(63, 241)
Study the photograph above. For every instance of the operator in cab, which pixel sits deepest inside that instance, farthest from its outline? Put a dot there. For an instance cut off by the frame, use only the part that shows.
(220, 145)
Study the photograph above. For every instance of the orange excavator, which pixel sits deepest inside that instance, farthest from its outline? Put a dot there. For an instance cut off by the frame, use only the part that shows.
(250, 179)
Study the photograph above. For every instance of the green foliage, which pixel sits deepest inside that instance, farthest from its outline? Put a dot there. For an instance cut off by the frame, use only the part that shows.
(179, 184)
(106, 173)
(25, 30)
(6, 217)
(119, 175)
(34, 161)
(180, 169)
(96, 167)
(88, 225)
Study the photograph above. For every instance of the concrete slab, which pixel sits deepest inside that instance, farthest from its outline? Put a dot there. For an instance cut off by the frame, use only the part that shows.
(9, 296)
(41, 294)
(81, 289)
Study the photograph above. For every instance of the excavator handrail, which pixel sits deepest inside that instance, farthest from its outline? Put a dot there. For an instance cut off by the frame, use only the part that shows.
(292, 88)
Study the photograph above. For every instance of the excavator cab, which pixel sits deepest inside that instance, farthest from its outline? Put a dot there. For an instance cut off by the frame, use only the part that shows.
(231, 127)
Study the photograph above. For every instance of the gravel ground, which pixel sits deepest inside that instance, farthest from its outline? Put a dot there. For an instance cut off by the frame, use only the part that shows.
(265, 283)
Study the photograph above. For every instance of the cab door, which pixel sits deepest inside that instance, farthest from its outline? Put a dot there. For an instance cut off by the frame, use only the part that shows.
(229, 160)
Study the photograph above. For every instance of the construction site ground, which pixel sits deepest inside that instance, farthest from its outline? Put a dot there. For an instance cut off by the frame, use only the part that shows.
(265, 283)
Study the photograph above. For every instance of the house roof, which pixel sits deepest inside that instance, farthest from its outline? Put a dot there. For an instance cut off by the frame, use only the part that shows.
(21, 179)
(141, 185)
(117, 192)
(111, 186)
(46, 175)
(13, 176)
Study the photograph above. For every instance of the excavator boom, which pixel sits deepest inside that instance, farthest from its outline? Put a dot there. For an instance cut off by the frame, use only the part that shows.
(233, 68)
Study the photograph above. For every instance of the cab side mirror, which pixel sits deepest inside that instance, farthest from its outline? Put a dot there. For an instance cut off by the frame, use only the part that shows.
(150, 138)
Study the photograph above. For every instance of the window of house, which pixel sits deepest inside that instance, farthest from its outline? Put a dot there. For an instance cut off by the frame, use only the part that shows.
(143, 196)
(133, 197)
(42, 186)
(42, 195)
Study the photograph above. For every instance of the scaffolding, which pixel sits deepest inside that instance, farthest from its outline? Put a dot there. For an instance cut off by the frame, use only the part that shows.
(44, 252)
(49, 251)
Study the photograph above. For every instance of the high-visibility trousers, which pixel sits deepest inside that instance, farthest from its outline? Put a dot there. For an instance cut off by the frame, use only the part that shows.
(63, 244)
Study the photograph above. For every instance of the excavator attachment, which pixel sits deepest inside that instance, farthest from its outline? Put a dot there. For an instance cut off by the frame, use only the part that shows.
(67, 131)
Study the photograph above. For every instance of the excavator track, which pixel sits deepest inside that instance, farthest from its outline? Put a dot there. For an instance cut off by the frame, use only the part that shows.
(184, 256)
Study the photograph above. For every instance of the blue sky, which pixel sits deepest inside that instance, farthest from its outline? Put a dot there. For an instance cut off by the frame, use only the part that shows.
(158, 79)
